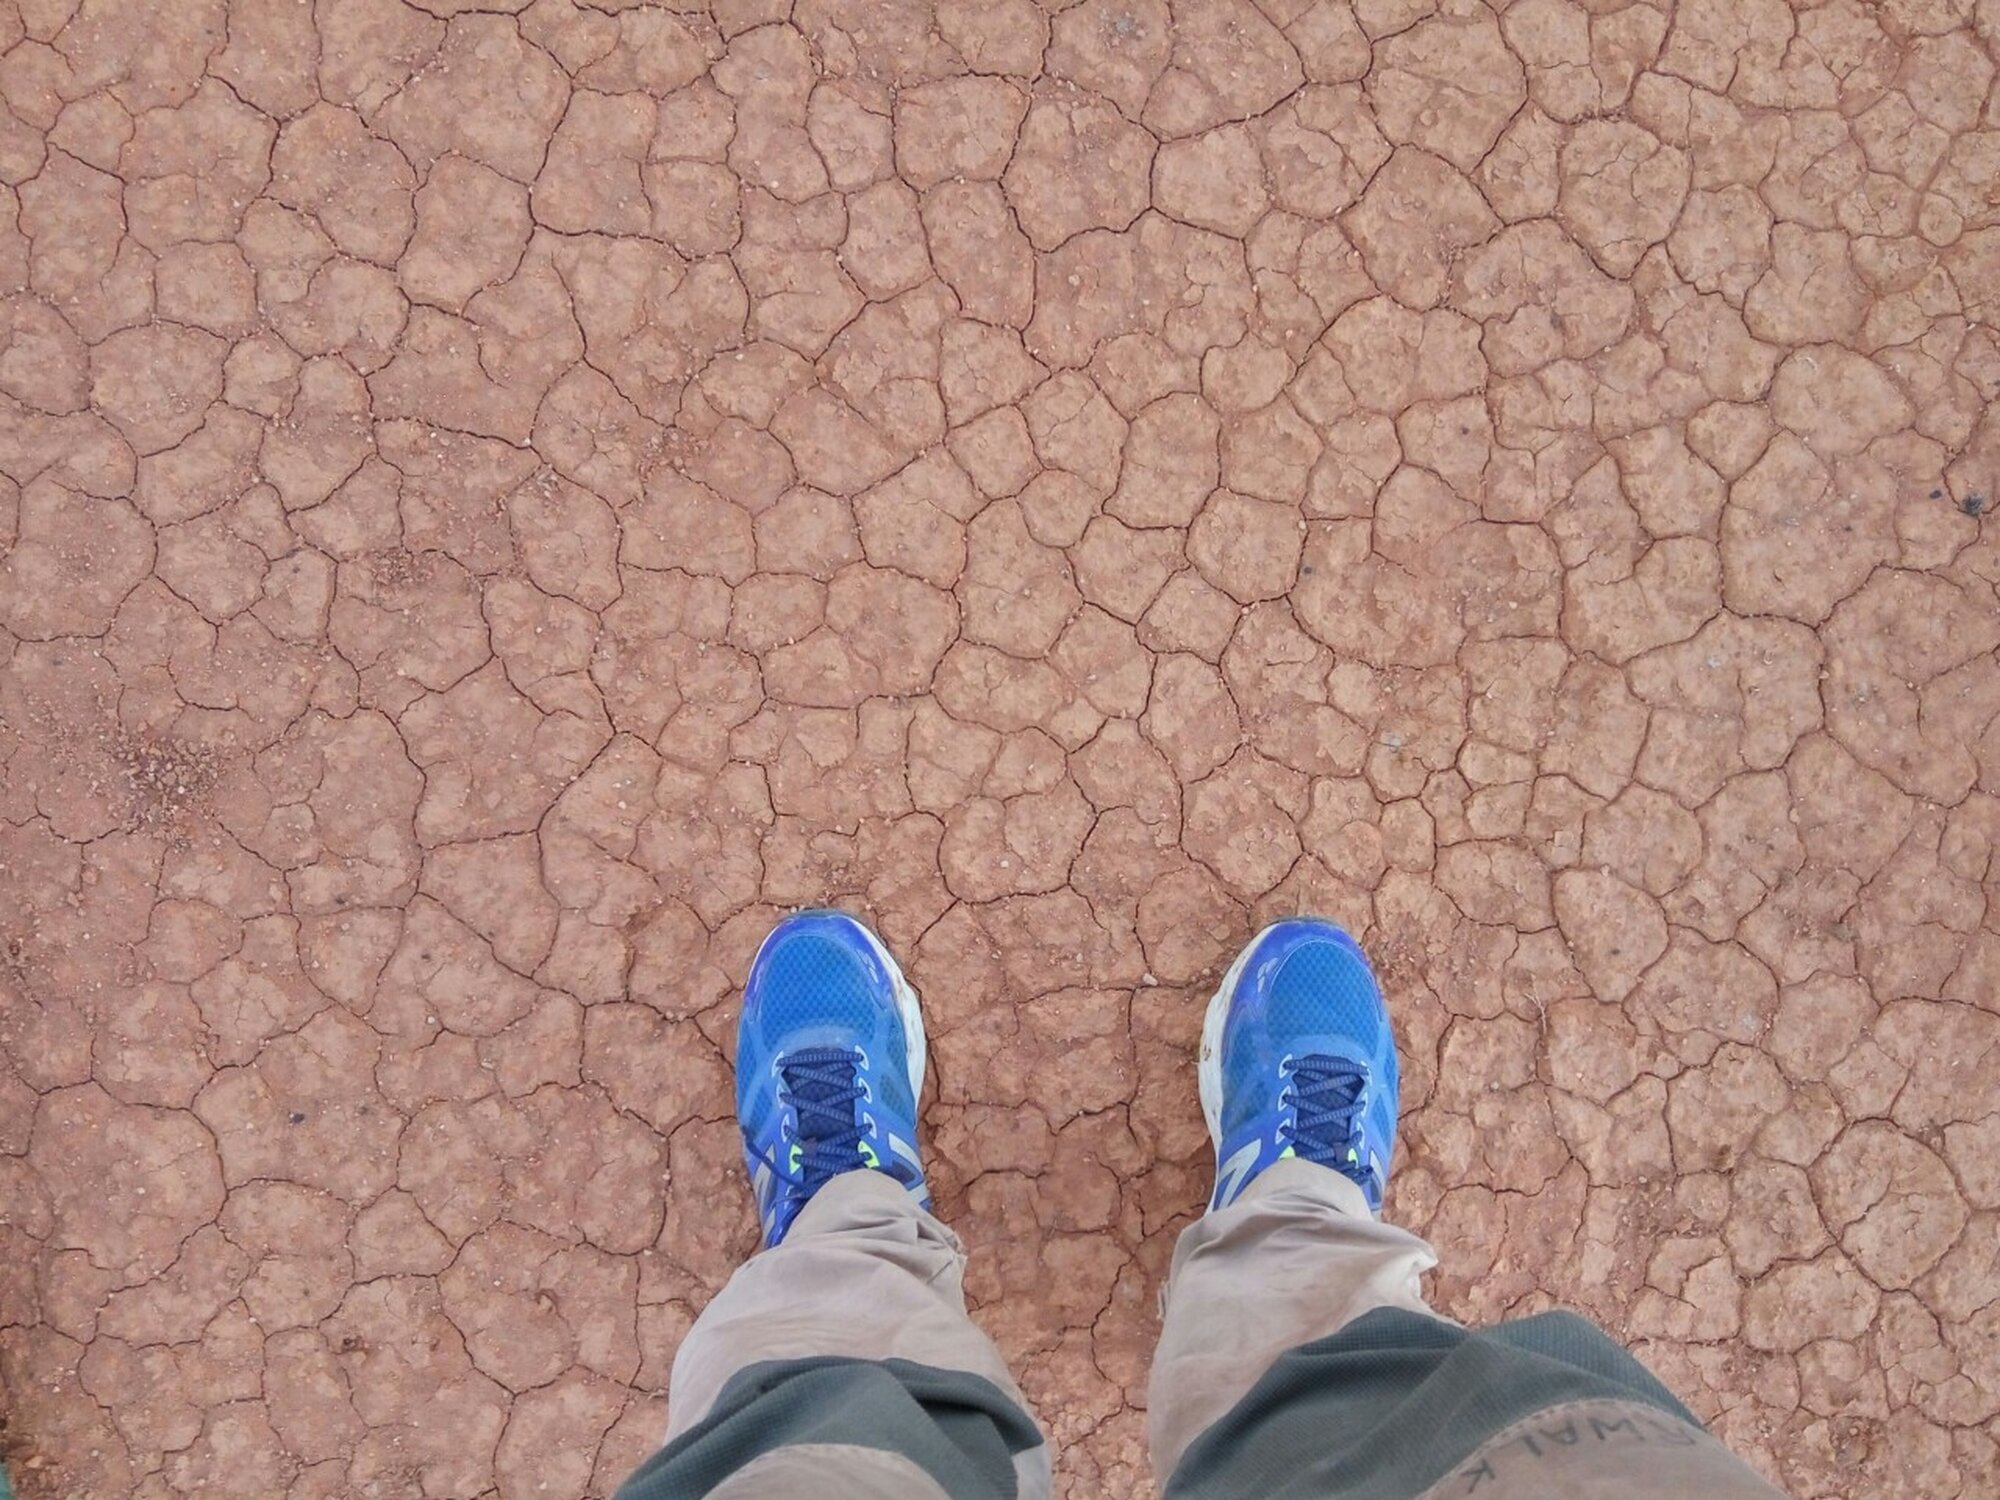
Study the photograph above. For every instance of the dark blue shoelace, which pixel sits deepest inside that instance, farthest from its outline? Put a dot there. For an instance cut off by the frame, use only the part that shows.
(823, 1084)
(1327, 1093)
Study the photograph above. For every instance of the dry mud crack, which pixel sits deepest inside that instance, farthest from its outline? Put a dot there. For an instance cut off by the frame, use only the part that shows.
(499, 499)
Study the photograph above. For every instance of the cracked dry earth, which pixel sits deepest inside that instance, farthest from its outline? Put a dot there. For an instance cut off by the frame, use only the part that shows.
(502, 499)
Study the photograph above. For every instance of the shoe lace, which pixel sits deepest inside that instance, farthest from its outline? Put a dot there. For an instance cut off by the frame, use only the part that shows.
(1326, 1124)
(822, 1085)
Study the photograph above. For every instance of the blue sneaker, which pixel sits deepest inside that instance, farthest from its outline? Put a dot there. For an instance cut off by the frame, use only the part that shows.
(829, 1065)
(1297, 1060)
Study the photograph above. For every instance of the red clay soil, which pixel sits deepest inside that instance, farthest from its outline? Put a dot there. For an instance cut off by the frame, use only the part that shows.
(499, 500)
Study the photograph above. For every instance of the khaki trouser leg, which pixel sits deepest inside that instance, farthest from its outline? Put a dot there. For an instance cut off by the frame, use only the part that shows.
(1296, 1258)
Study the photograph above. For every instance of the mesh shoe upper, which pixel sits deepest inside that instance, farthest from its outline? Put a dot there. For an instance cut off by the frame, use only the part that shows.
(1303, 1061)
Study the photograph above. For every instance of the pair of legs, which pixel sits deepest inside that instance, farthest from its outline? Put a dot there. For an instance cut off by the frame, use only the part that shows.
(1297, 1356)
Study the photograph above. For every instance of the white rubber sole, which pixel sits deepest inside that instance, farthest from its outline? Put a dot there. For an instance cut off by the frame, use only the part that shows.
(907, 1008)
(1208, 1072)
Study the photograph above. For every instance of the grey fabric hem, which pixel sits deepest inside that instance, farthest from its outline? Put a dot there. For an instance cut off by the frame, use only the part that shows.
(966, 1436)
(1602, 1449)
(1397, 1404)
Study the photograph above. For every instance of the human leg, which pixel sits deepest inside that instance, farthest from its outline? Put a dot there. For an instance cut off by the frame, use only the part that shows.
(1296, 1257)
(1298, 1357)
(840, 1360)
